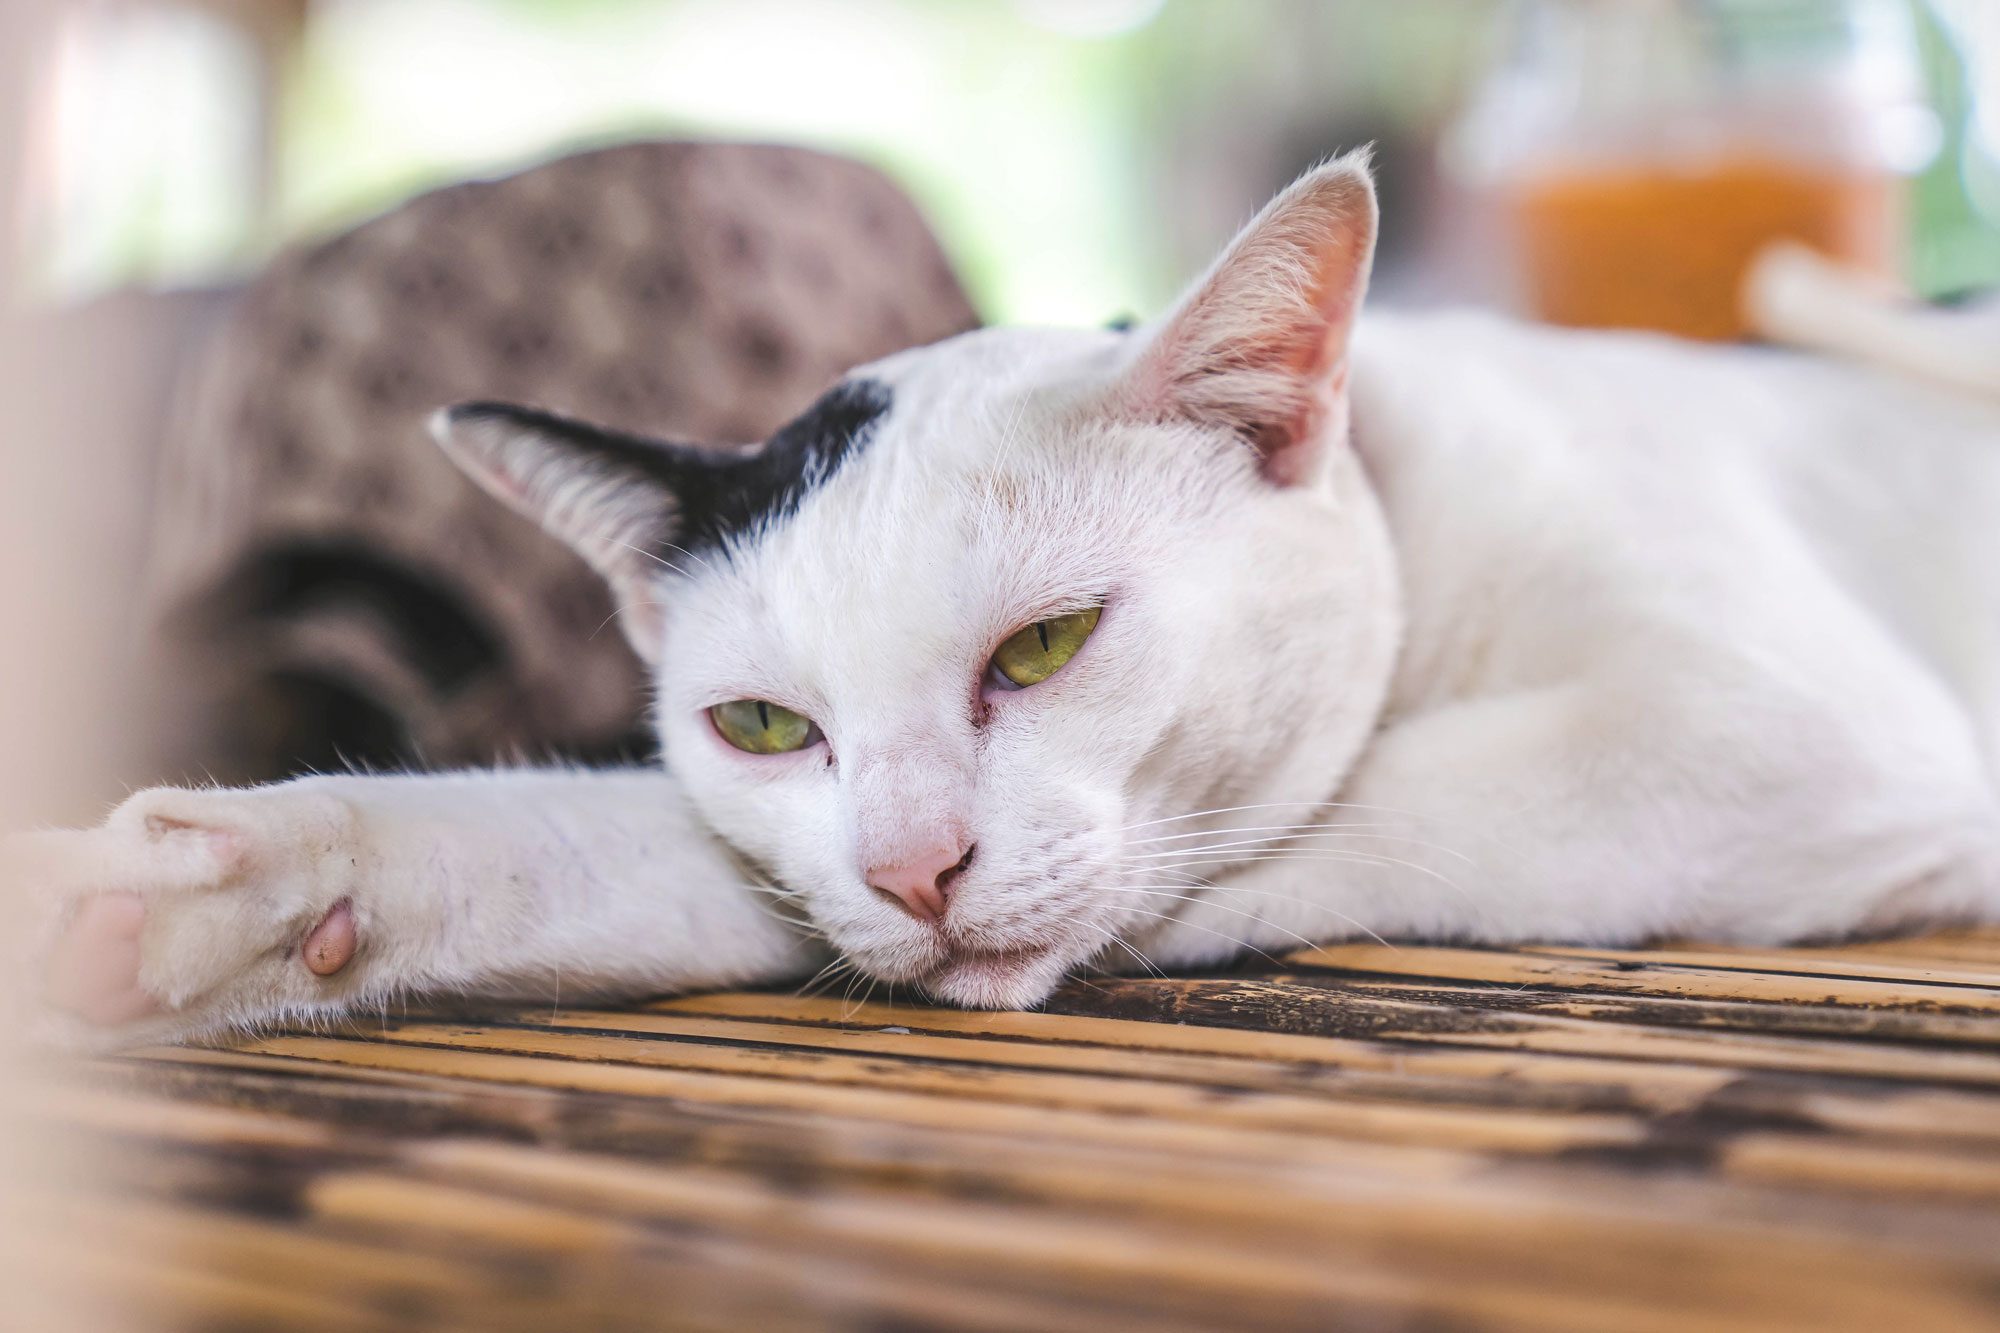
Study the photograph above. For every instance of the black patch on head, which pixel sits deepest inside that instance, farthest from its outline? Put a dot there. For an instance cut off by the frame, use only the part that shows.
(734, 494)
(721, 494)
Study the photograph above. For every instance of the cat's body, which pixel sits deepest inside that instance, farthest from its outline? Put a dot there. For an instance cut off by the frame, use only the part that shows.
(1588, 638)
(1755, 595)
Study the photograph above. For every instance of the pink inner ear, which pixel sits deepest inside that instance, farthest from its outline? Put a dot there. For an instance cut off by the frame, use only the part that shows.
(1261, 347)
(1287, 447)
(1313, 348)
(1310, 344)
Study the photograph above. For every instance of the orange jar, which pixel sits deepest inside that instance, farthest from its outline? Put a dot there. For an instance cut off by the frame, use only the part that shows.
(1640, 153)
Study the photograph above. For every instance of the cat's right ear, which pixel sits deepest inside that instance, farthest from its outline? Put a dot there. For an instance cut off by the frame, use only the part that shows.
(1258, 346)
(611, 497)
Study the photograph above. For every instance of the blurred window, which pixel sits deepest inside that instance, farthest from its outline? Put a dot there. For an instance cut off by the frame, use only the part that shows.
(1079, 157)
(147, 160)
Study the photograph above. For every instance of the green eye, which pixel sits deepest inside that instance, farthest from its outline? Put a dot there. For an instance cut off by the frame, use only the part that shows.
(1035, 652)
(761, 727)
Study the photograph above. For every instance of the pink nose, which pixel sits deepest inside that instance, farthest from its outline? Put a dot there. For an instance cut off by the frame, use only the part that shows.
(921, 884)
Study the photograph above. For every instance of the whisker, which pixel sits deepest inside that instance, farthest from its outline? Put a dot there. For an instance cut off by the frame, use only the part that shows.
(1304, 831)
(1223, 907)
(1275, 805)
(693, 555)
(831, 972)
(1327, 854)
(1127, 946)
(1265, 893)
(1231, 939)
(620, 610)
(1252, 828)
(655, 557)
(848, 1011)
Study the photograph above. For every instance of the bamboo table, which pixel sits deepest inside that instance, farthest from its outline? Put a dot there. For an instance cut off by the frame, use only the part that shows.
(1547, 1138)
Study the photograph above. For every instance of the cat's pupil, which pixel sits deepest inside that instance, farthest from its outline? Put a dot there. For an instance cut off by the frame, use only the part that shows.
(1042, 633)
(763, 715)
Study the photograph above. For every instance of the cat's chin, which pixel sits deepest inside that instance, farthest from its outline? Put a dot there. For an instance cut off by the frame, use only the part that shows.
(1010, 979)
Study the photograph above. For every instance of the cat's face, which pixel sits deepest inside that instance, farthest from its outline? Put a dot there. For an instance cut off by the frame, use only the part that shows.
(950, 656)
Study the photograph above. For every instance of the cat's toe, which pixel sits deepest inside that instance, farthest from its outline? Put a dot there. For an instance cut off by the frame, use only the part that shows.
(331, 944)
(93, 972)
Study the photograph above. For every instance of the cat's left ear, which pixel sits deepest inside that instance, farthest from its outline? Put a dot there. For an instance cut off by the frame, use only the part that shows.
(614, 498)
(1259, 345)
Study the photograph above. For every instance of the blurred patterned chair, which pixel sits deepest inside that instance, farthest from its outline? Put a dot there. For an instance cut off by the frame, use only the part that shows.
(327, 589)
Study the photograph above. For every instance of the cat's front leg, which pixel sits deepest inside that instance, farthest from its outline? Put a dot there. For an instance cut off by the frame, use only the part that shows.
(190, 912)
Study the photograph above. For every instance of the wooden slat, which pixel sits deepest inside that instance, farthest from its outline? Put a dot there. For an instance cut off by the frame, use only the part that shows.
(1978, 947)
(1244, 1178)
(1375, 1071)
(1487, 1246)
(334, 1059)
(1211, 1016)
(1691, 1032)
(1835, 964)
(796, 1081)
(1631, 973)
(1322, 1065)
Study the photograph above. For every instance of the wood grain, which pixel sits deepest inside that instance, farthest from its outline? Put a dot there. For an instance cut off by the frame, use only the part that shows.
(1690, 1137)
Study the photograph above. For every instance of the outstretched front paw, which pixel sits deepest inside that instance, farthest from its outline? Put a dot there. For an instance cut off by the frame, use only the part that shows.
(187, 912)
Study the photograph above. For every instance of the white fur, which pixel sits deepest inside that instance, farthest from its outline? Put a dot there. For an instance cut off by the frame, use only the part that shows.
(1582, 637)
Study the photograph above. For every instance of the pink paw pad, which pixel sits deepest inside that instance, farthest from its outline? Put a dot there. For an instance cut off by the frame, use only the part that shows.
(94, 972)
(331, 944)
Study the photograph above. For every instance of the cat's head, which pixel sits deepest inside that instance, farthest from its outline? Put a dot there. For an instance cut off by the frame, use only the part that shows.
(950, 655)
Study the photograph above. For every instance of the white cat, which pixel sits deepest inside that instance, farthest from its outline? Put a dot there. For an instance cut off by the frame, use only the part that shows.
(1031, 651)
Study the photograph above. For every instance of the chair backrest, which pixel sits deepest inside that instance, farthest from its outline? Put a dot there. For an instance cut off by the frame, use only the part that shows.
(329, 588)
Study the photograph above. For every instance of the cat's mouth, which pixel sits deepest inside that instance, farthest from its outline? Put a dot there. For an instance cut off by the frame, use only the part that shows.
(1011, 978)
